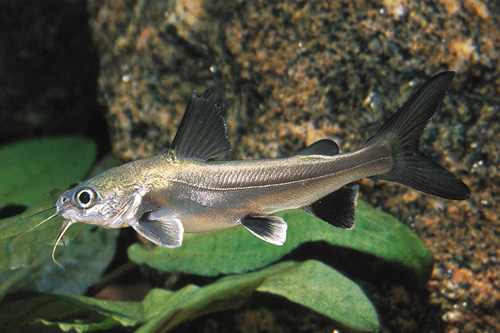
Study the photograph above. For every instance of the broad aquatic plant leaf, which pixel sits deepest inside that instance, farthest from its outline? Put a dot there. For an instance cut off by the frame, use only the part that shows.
(162, 310)
(323, 289)
(26, 262)
(25, 256)
(235, 250)
(191, 302)
(311, 283)
(34, 312)
(31, 168)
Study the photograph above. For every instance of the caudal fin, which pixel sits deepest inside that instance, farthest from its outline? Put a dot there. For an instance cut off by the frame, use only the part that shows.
(402, 133)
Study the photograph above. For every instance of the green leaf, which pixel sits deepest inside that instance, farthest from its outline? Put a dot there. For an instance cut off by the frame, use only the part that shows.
(25, 256)
(162, 310)
(26, 259)
(236, 250)
(31, 168)
(319, 287)
(191, 301)
(33, 312)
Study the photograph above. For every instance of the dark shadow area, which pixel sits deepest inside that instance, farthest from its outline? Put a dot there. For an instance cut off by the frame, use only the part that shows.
(356, 265)
(262, 312)
(11, 210)
(48, 72)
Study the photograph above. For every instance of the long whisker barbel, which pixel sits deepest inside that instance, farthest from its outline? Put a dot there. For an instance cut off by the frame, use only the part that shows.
(38, 224)
(43, 211)
(59, 237)
(64, 228)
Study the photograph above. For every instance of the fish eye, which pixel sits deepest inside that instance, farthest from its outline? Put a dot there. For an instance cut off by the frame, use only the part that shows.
(85, 198)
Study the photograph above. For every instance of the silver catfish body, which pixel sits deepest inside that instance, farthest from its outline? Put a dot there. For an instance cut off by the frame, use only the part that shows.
(163, 196)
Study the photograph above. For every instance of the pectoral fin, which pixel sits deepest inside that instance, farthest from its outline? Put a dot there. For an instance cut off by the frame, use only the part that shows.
(336, 208)
(166, 231)
(270, 228)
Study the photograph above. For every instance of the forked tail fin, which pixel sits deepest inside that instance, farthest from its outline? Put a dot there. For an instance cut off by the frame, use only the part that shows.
(401, 135)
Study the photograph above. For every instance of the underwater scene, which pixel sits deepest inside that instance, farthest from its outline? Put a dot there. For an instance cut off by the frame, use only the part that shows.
(272, 185)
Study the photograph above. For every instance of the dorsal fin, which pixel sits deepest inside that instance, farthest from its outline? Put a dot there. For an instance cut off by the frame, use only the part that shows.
(202, 134)
(321, 147)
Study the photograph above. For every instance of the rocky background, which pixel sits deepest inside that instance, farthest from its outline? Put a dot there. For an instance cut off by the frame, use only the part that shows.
(286, 75)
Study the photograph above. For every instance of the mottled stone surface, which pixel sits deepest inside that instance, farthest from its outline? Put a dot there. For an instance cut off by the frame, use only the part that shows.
(289, 74)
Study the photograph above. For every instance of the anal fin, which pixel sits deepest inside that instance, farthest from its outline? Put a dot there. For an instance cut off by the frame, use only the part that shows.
(337, 208)
(162, 231)
(270, 228)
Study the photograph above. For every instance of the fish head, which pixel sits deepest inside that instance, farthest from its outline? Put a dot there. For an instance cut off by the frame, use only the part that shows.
(83, 204)
(110, 199)
(101, 200)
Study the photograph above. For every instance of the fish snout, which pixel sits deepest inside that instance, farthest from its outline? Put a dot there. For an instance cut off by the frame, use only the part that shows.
(62, 203)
